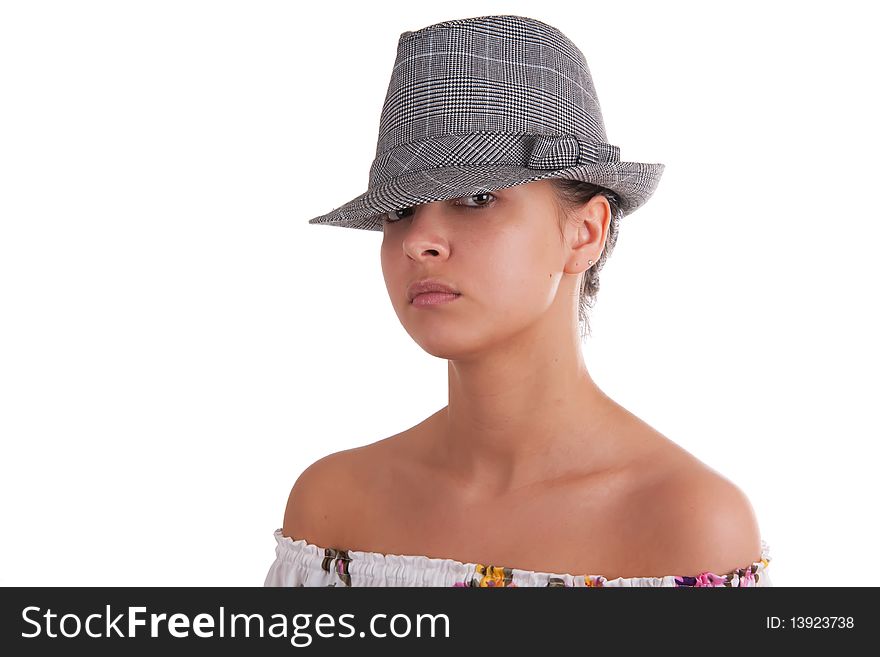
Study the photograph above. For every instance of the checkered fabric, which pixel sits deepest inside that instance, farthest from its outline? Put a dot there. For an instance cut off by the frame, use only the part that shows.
(484, 103)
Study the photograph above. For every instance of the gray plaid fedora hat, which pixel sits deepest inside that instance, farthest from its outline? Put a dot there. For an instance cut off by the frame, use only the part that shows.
(484, 103)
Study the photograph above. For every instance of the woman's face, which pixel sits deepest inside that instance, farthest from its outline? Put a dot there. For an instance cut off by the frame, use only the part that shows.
(502, 250)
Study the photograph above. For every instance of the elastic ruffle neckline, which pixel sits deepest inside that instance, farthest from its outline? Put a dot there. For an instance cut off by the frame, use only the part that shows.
(422, 570)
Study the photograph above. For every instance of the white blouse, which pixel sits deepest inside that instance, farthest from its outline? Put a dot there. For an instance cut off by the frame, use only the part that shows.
(299, 563)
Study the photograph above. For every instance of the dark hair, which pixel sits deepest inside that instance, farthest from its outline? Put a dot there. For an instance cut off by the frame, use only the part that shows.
(571, 195)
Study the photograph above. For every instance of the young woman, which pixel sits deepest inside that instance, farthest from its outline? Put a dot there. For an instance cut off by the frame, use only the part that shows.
(499, 199)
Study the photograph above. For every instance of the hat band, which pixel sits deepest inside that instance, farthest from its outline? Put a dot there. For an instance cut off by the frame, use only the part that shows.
(530, 150)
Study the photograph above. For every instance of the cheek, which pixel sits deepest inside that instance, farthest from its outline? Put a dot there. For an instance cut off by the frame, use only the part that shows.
(390, 253)
(390, 267)
(517, 270)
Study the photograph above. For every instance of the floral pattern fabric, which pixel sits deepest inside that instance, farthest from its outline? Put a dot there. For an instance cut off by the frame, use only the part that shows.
(299, 563)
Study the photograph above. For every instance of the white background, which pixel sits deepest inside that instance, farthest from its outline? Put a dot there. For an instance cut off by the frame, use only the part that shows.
(178, 344)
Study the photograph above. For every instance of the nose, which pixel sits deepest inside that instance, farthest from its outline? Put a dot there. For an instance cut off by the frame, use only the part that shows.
(427, 232)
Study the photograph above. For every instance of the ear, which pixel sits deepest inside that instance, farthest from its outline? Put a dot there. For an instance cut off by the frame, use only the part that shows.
(585, 233)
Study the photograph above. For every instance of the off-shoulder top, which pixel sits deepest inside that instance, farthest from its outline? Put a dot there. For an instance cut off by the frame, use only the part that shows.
(300, 563)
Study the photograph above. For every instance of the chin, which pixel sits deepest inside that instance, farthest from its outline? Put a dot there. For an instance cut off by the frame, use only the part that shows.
(450, 342)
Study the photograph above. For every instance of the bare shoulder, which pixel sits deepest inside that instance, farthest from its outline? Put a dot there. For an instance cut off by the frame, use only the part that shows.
(333, 502)
(313, 506)
(697, 520)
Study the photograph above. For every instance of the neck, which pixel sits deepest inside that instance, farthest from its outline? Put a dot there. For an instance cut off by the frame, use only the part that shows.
(521, 413)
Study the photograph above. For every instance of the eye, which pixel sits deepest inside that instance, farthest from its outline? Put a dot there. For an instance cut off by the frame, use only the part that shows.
(488, 199)
(479, 206)
(395, 215)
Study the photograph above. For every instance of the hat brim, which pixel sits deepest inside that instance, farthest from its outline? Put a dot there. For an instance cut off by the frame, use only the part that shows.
(633, 182)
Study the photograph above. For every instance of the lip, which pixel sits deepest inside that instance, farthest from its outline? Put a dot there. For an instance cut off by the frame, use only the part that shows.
(437, 289)
(433, 298)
